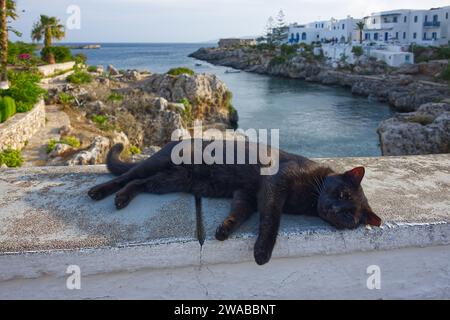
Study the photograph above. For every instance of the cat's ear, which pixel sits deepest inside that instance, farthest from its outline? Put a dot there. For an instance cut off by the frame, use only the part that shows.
(355, 175)
(371, 218)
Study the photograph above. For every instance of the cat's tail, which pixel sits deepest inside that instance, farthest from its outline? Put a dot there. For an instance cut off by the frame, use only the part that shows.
(114, 164)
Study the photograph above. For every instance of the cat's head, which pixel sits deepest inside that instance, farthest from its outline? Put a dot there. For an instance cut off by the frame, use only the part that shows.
(342, 202)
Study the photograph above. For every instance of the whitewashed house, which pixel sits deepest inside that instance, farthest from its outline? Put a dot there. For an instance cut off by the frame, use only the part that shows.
(424, 27)
(339, 30)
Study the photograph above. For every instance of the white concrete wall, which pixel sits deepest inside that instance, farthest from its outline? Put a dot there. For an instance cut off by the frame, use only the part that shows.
(51, 69)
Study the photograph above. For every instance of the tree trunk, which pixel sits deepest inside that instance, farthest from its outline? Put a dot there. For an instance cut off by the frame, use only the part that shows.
(360, 37)
(3, 46)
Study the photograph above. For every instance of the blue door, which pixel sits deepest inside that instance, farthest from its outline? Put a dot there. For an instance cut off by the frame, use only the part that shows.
(386, 36)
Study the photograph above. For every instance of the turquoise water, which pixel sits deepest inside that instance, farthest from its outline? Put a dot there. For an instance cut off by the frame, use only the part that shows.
(314, 120)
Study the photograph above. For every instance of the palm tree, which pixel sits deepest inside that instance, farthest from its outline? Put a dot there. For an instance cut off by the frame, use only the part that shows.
(48, 28)
(360, 25)
(7, 10)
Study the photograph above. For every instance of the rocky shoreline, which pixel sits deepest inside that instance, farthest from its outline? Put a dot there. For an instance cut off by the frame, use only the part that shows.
(406, 89)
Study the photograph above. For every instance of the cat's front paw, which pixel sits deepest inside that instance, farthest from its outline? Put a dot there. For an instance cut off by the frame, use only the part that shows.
(97, 193)
(222, 233)
(122, 200)
(261, 253)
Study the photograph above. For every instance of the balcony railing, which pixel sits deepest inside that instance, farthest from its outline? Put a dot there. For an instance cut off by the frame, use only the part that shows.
(432, 24)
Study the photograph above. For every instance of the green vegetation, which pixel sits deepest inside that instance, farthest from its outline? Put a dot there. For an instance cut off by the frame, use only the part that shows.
(446, 72)
(422, 119)
(92, 69)
(425, 54)
(60, 54)
(7, 108)
(357, 51)
(179, 71)
(102, 122)
(66, 99)
(22, 54)
(68, 140)
(24, 89)
(187, 114)
(135, 150)
(80, 58)
(115, 96)
(12, 158)
(79, 77)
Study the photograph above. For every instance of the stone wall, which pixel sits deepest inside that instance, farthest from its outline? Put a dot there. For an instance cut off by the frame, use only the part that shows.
(21, 127)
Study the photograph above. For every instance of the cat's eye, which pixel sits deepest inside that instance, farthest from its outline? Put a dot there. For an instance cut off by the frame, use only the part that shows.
(344, 195)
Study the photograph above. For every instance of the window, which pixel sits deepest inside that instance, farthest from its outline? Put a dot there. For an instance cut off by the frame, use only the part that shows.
(343, 26)
(404, 19)
(322, 25)
(446, 15)
(426, 18)
(367, 36)
(415, 35)
(395, 19)
(304, 36)
(407, 58)
(396, 35)
(424, 36)
(375, 36)
(374, 21)
(434, 35)
(404, 35)
(416, 18)
(435, 18)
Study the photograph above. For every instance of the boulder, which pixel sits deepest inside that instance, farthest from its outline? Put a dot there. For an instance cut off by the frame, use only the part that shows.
(426, 131)
(113, 71)
(95, 154)
(60, 150)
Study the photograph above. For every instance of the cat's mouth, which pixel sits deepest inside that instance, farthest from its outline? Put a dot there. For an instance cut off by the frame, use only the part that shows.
(341, 220)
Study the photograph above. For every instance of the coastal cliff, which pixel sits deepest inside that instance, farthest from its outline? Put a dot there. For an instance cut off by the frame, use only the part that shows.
(405, 89)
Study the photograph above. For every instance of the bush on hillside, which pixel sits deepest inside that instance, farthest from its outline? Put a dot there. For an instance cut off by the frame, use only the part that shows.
(61, 54)
(179, 71)
(7, 108)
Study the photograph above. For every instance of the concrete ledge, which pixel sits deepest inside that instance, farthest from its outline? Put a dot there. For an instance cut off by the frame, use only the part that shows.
(47, 223)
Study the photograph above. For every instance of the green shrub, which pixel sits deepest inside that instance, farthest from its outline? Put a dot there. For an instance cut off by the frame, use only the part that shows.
(287, 50)
(79, 77)
(114, 96)
(24, 89)
(66, 99)
(92, 69)
(135, 150)
(446, 72)
(7, 108)
(71, 141)
(278, 60)
(61, 53)
(12, 158)
(182, 70)
(187, 114)
(357, 51)
(443, 53)
(21, 53)
(102, 122)
(80, 58)
(51, 145)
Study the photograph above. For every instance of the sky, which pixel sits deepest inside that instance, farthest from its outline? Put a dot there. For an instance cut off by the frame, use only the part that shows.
(190, 20)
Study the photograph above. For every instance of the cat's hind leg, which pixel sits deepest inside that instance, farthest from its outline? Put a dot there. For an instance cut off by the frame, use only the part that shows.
(242, 207)
(170, 181)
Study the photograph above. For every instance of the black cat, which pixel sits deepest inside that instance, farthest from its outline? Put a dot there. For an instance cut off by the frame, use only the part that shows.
(300, 186)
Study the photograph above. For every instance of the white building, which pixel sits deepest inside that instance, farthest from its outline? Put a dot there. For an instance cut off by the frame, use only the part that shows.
(321, 31)
(424, 27)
